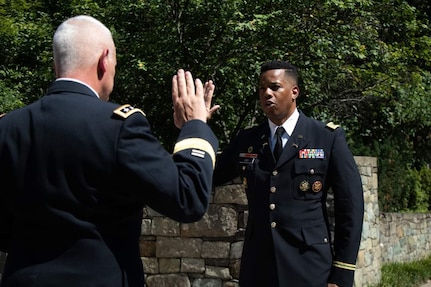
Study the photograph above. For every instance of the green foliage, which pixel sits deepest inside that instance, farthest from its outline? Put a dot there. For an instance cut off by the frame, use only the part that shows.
(364, 64)
(401, 187)
(406, 274)
(9, 99)
(417, 195)
(393, 196)
(25, 35)
(425, 180)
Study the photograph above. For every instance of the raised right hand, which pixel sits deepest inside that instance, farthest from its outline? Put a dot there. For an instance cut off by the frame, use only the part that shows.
(188, 98)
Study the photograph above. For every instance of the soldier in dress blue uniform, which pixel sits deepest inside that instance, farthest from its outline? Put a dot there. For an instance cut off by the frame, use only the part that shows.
(77, 170)
(287, 239)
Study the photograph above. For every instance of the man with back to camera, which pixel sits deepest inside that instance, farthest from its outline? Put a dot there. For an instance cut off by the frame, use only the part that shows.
(77, 170)
(287, 239)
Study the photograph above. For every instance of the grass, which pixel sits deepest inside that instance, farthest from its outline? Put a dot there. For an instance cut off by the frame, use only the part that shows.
(412, 274)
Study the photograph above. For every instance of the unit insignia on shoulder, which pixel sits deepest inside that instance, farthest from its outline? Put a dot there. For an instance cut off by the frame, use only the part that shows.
(332, 126)
(126, 110)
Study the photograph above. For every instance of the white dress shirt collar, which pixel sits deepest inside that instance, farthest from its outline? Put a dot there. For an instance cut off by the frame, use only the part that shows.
(288, 125)
(78, 81)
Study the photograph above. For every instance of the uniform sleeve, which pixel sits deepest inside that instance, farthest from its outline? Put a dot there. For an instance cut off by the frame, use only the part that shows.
(225, 168)
(349, 211)
(176, 185)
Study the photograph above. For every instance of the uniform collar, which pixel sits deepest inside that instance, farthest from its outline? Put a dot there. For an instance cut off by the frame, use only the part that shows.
(288, 125)
(80, 82)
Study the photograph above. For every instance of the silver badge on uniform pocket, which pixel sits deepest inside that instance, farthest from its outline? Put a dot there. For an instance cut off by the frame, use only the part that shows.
(304, 186)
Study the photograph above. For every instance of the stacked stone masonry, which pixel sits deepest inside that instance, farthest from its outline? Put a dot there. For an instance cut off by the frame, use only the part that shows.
(208, 253)
(405, 237)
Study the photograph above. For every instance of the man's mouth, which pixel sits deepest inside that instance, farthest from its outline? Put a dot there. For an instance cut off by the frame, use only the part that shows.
(269, 104)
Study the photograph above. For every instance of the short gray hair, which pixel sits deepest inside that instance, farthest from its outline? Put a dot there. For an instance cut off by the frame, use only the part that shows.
(77, 42)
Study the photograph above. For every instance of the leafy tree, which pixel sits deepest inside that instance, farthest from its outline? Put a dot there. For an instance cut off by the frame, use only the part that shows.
(25, 40)
(364, 64)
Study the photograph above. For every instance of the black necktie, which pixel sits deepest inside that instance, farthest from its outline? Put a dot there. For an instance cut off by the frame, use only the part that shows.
(278, 143)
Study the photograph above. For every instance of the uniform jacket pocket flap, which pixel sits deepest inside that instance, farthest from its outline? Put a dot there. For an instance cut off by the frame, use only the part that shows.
(309, 166)
(316, 234)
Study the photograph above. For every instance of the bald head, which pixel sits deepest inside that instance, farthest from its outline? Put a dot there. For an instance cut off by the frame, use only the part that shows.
(84, 50)
(78, 43)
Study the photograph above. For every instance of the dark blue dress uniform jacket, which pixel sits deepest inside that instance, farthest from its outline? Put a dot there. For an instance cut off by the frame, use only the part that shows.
(76, 173)
(287, 240)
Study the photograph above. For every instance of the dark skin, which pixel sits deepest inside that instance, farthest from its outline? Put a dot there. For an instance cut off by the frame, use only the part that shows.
(277, 95)
(278, 92)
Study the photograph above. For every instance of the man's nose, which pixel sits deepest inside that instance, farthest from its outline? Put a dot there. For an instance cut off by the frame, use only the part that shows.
(268, 93)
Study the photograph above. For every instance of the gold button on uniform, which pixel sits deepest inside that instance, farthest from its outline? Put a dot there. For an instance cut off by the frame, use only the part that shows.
(272, 206)
(273, 224)
(273, 189)
(274, 173)
(311, 171)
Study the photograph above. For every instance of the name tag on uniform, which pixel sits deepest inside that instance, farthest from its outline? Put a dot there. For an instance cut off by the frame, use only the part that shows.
(248, 155)
(247, 158)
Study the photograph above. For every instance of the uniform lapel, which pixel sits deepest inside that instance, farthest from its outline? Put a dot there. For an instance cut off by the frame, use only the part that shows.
(264, 143)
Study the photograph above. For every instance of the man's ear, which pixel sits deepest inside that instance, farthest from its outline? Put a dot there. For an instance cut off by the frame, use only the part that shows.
(101, 65)
(295, 92)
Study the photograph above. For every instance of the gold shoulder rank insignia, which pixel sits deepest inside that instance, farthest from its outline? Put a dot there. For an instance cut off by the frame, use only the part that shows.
(126, 110)
(332, 126)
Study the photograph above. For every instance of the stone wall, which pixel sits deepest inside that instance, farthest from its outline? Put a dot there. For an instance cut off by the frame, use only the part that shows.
(208, 253)
(368, 264)
(405, 237)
